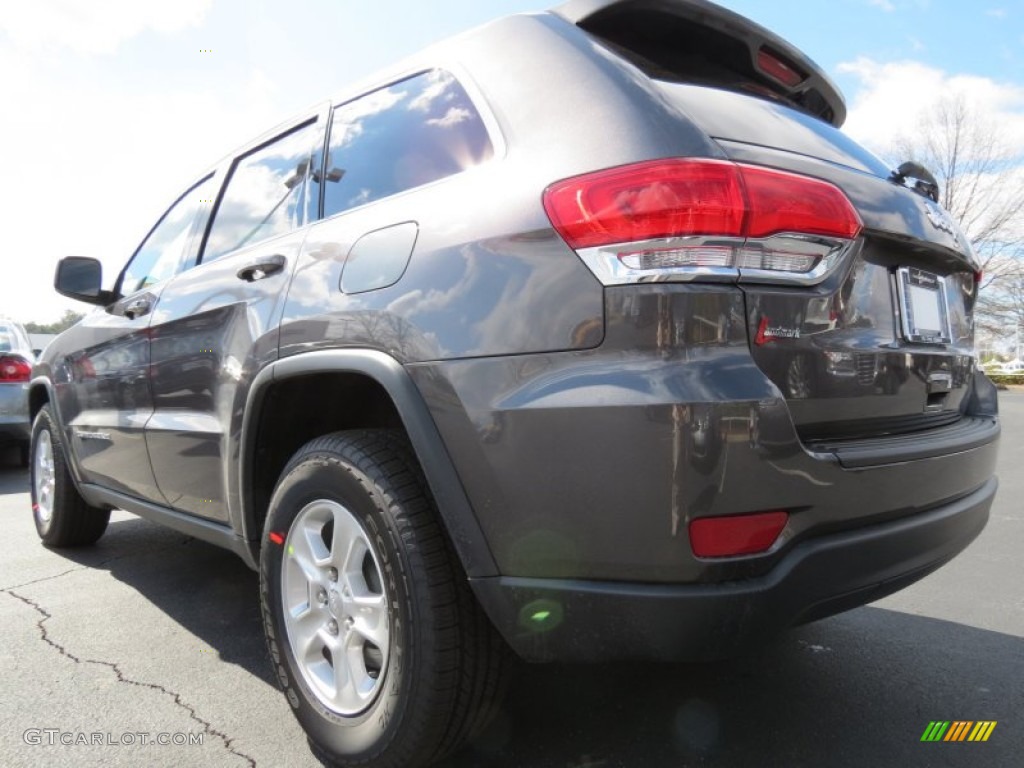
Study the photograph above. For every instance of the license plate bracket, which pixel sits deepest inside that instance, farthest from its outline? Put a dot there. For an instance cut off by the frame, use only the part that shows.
(923, 307)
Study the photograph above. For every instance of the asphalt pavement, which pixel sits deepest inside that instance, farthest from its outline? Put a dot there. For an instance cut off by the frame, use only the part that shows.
(153, 635)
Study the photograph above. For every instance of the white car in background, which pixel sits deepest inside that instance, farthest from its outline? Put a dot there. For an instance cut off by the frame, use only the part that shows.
(1012, 368)
(16, 360)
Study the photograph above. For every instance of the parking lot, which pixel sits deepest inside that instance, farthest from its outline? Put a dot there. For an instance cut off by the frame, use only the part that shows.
(152, 632)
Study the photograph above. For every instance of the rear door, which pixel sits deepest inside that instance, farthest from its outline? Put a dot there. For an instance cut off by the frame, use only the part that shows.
(216, 324)
(106, 400)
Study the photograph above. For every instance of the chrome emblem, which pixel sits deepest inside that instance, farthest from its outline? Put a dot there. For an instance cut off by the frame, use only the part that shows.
(939, 218)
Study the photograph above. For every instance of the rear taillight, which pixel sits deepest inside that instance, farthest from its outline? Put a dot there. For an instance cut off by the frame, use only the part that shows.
(665, 198)
(14, 368)
(786, 202)
(714, 218)
(736, 534)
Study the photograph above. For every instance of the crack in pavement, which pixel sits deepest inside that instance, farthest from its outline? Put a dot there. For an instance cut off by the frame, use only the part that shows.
(123, 678)
(100, 564)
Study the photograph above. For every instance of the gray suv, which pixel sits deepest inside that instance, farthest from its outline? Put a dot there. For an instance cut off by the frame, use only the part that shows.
(586, 335)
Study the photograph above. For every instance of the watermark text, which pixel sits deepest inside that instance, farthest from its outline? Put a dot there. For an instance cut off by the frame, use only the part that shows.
(52, 737)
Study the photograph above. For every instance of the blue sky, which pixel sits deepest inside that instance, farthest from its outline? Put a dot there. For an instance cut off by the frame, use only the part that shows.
(112, 106)
(959, 36)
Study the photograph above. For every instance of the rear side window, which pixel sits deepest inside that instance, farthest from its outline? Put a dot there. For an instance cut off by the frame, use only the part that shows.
(411, 133)
(265, 194)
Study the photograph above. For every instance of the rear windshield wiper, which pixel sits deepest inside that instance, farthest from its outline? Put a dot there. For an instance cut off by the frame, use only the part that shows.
(925, 183)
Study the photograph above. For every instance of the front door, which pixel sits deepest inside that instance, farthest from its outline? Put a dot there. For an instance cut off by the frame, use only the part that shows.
(106, 399)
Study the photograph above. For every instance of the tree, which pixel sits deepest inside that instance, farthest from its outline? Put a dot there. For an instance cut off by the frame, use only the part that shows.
(981, 183)
(69, 318)
(1002, 310)
(981, 179)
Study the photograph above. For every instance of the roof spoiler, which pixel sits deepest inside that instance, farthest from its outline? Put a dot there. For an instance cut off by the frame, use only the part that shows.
(773, 62)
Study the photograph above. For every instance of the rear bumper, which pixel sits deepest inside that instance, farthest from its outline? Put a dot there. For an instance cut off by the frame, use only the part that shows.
(573, 620)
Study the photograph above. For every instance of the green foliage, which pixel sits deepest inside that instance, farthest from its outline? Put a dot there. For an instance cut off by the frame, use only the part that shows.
(70, 318)
(1007, 378)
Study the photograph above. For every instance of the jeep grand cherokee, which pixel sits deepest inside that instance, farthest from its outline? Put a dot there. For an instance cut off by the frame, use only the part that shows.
(586, 334)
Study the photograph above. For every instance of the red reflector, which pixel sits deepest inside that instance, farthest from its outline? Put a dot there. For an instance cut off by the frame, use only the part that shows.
(684, 198)
(14, 368)
(276, 538)
(978, 276)
(737, 534)
(778, 68)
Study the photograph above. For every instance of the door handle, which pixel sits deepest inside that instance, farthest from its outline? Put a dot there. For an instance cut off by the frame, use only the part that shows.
(137, 308)
(262, 269)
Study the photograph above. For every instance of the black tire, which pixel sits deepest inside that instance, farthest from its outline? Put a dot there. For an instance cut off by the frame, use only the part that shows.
(446, 666)
(72, 522)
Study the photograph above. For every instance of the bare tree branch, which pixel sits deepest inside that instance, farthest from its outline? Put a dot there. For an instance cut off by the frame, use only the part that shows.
(981, 178)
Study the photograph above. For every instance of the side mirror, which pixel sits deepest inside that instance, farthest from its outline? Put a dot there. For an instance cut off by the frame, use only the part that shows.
(81, 278)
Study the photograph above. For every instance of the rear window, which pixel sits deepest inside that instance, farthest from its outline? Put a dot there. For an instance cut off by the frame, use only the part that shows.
(400, 137)
(736, 117)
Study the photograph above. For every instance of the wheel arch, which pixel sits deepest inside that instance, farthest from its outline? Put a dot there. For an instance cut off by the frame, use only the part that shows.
(409, 411)
(39, 394)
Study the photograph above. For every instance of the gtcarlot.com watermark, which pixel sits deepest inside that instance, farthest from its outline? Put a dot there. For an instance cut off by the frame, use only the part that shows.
(51, 737)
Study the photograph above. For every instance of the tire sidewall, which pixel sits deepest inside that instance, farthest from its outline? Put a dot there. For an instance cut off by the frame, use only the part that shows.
(44, 421)
(362, 736)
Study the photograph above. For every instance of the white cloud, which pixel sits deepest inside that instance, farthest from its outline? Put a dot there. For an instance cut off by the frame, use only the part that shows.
(452, 117)
(90, 166)
(893, 97)
(96, 26)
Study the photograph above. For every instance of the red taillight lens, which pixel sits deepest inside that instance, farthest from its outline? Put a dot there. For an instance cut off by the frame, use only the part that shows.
(736, 534)
(663, 198)
(14, 369)
(685, 198)
(786, 202)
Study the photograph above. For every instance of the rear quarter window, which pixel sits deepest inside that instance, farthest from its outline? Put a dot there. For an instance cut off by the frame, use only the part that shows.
(396, 138)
